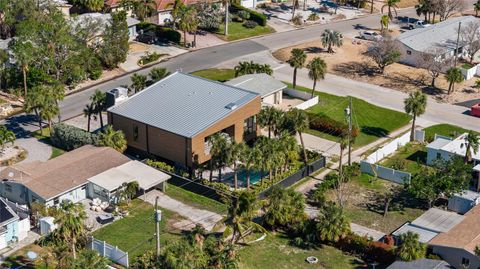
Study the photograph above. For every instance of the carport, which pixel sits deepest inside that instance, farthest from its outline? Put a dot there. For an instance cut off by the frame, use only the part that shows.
(106, 185)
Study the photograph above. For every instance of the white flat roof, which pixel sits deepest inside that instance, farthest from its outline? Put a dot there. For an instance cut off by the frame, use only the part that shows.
(425, 235)
(146, 176)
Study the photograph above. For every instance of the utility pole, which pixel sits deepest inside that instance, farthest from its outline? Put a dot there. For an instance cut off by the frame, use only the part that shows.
(158, 218)
(348, 115)
(456, 46)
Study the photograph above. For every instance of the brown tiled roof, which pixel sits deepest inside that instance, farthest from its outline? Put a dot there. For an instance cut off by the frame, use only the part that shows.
(68, 171)
(162, 4)
(465, 235)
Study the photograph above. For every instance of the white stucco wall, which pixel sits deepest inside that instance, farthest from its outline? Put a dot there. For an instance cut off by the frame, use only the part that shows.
(433, 154)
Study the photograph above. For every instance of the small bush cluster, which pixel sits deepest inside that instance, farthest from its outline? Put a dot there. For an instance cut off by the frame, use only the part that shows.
(69, 137)
(297, 20)
(328, 125)
(313, 17)
(149, 58)
(367, 249)
(257, 17)
(243, 14)
(250, 24)
(160, 165)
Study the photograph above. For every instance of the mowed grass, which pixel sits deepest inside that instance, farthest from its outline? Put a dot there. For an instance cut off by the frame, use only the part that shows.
(410, 158)
(275, 252)
(135, 232)
(195, 200)
(217, 74)
(373, 121)
(444, 130)
(237, 31)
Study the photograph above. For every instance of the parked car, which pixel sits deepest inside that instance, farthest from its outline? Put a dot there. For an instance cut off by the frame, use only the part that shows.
(147, 38)
(417, 24)
(370, 35)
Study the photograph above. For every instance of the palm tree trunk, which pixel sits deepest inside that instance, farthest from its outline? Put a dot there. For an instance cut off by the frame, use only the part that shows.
(270, 176)
(50, 125)
(269, 131)
(248, 178)
(88, 122)
(235, 176)
(24, 71)
(226, 18)
(305, 157)
(101, 119)
(412, 135)
(294, 77)
(371, 7)
(39, 120)
(211, 170)
(195, 38)
(450, 87)
(467, 153)
(220, 174)
(74, 251)
(185, 38)
(433, 82)
(293, 9)
(59, 114)
(313, 89)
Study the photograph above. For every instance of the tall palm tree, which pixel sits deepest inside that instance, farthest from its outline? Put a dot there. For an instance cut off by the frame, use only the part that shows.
(71, 224)
(297, 60)
(248, 158)
(269, 117)
(295, 5)
(99, 104)
(384, 22)
(24, 54)
(472, 144)
(317, 68)
(331, 38)
(218, 152)
(289, 146)
(343, 143)
(239, 221)
(49, 110)
(299, 120)
(266, 147)
(411, 248)
(108, 137)
(332, 224)
(391, 5)
(235, 150)
(34, 103)
(415, 105)
(158, 73)
(188, 21)
(453, 75)
(87, 112)
(139, 82)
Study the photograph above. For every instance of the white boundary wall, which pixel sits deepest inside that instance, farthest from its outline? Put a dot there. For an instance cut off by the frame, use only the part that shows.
(308, 104)
(115, 254)
(388, 148)
(305, 96)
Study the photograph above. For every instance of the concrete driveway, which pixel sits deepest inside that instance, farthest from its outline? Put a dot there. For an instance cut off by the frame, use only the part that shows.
(193, 215)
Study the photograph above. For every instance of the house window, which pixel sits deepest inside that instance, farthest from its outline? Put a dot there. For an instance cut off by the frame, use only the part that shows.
(135, 133)
(250, 125)
(8, 188)
(465, 262)
(439, 156)
(56, 201)
(409, 52)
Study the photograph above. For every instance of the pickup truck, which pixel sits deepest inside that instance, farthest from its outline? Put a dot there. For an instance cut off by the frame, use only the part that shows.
(417, 24)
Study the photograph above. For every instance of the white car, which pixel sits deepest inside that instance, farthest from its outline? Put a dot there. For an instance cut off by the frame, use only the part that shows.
(370, 35)
(418, 24)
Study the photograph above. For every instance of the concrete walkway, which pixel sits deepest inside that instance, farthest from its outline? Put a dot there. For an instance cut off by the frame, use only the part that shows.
(194, 215)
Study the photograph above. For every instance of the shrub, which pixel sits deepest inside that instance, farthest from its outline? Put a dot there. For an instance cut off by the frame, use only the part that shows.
(328, 125)
(259, 18)
(297, 20)
(244, 14)
(163, 33)
(149, 58)
(250, 24)
(380, 252)
(160, 165)
(313, 17)
(69, 137)
(398, 163)
(237, 19)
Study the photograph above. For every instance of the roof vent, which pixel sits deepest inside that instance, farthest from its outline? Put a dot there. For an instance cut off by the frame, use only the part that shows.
(231, 106)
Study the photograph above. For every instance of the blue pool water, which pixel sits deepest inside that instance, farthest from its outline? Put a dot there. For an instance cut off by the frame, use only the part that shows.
(255, 176)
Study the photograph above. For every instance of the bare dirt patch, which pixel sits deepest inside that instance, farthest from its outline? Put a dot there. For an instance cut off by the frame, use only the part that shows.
(350, 61)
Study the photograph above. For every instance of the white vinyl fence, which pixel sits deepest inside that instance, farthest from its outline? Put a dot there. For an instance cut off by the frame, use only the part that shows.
(115, 254)
(307, 97)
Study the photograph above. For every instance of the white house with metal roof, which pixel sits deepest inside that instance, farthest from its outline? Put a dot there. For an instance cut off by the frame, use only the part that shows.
(439, 39)
(266, 86)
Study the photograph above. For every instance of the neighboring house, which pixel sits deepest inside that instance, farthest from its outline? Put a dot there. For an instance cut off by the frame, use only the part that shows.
(62, 5)
(430, 224)
(266, 86)
(439, 39)
(457, 246)
(464, 201)
(14, 226)
(105, 18)
(175, 117)
(421, 264)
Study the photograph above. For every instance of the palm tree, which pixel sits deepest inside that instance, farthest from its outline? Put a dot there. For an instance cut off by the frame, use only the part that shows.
(289, 146)
(235, 150)
(99, 104)
(295, 5)
(391, 5)
(269, 117)
(317, 68)
(188, 21)
(266, 147)
(299, 120)
(87, 112)
(34, 103)
(384, 22)
(415, 105)
(453, 75)
(108, 137)
(218, 152)
(49, 110)
(239, 221)
(6, 136)
(141, 8)
(244, 68)
(472, 144)
(129, 190)
(410, 248)
(89, 259)
(24, 54)
(248, 158)
(343, 143)
(331, 38)
(332, 224)
(226, 4)
(71, 224)
(158, 73)
(476, 7)
(139, 82)
(297, 60)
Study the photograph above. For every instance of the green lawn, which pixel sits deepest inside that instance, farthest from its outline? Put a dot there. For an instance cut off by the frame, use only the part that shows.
(221, 75)
(373, 121)
(443, 129)
(237, 31)
(410, 158)
(133, 232)
(45, 137)
(195, 200)
(275, 252)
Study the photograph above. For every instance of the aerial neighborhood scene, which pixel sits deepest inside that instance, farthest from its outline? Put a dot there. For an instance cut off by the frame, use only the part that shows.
(249, 134)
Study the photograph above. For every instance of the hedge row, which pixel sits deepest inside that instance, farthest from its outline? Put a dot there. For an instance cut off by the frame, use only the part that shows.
(163, 33)
(257, 17)
(328, 125)
(69, 137)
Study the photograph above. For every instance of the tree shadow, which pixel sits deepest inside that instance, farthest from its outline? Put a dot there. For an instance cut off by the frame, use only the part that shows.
(419, 156)
(361, 27)
(375, 131)
(18, 124)
(356, 68)
(432, 90)
(314, 50)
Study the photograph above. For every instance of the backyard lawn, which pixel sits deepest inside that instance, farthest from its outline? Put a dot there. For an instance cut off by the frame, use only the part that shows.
(45, 137)
(195, 200)
(365, 204)
(275, 252)
(221, 75)
(135, 233)
(443, 129)
(373, 121)
(410, 158)
(237, 31)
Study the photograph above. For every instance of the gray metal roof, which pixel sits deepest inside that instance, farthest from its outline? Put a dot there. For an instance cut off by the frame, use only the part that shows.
(184, 104)
(262, 84)
(438, 220)
(421, 264)
(439, 143)
(425, 235)
(441, 36)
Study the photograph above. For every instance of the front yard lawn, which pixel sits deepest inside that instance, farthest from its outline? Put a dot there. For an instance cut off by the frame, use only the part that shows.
(195, 200)
(217, 74)
(135, 232)
(237, 31)
(373, 121)
(444, 130)
(275, 252)
(410, 158)
(365, 204)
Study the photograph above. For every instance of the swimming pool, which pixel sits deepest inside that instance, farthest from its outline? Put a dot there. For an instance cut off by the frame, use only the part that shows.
(255, 177)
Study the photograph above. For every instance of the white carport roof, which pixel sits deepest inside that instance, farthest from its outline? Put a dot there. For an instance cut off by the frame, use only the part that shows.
(146, 176)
